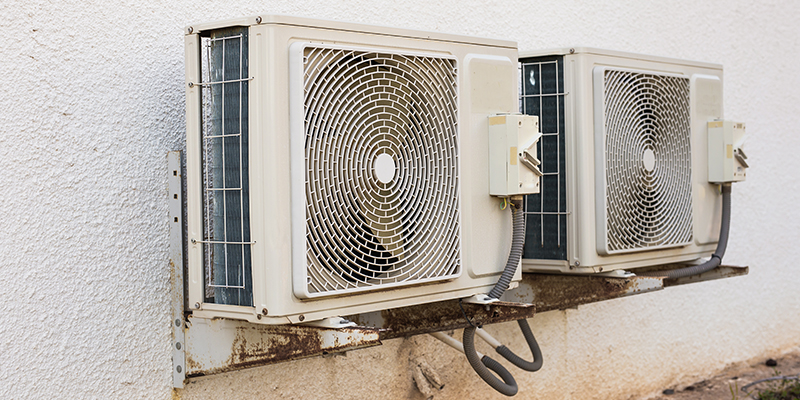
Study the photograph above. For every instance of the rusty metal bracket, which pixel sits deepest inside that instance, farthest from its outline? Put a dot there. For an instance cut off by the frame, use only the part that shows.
(559, 292)
(723, 271)
(201, 346)
(441, 316)
(221, 345)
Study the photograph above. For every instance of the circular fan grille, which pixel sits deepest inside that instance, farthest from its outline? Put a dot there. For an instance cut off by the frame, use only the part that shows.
(381, 150)
(648, 161)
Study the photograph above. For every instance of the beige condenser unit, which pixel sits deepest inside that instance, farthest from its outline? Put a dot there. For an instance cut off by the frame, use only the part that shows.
(625, 160)
(337, 168)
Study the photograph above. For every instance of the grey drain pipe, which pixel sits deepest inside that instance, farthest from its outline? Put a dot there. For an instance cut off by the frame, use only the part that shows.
(506, 384)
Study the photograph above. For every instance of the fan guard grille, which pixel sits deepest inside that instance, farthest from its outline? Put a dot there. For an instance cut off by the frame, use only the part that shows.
(647, 161)
(382, 172)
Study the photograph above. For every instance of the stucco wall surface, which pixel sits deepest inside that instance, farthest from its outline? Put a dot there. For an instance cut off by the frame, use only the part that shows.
(92, 99)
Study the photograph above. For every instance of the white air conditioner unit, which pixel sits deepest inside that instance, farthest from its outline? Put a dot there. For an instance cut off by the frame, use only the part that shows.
(625, 160)
(337, 168)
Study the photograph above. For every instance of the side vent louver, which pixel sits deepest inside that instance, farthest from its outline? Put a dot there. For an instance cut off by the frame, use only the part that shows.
(381, 169)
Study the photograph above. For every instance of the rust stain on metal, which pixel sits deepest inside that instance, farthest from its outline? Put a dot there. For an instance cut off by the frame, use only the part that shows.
(191, 364)
(558, 292)
(255, 346)
(445, 315)
(721, 272)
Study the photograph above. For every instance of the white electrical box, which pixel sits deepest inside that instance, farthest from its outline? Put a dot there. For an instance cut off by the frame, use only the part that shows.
(513, 160)
(727, 161)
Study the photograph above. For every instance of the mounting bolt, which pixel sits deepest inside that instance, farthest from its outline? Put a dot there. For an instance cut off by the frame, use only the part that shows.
(258, 19)
(571, 51)
(179, 369)
(301, 317)
(189, 29)
(178, 345)
(197, 305)
(258, 316)
(577, 263)
(264, 311)
(177, 322)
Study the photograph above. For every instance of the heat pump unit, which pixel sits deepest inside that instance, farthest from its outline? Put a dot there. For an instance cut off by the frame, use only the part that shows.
(337, 168)
(624, 160)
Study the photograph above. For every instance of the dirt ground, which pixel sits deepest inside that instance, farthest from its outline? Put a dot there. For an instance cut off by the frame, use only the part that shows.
(719, 387)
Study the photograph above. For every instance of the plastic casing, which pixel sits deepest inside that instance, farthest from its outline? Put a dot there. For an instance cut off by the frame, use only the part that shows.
(487, 81)
(509, 136)
(724, 139)
(582, 191)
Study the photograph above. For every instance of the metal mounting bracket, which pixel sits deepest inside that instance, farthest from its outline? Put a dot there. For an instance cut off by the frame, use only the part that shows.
(333, 323)
(175, 193)
(203, 346)
(480, 299)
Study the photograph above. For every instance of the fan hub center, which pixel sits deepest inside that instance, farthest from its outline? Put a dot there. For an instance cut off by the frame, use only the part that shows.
(649, 160)
(385, 168)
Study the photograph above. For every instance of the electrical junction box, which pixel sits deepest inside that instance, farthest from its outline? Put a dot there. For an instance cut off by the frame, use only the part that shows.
(513, 161)
(727, 161)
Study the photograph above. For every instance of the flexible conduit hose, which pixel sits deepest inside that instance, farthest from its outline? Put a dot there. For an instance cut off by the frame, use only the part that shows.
(509, 355)
(482, 365)
(716, 258)
(517, 245)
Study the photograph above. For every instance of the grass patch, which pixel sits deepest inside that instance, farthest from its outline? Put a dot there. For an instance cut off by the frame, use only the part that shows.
(783, 389)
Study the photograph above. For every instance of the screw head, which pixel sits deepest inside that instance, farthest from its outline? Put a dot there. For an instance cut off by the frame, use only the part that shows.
(189, 30)
(178, 345)
(179, 369)
(577, 263)
(258, 316)
(197, 305)
(264, 311)
(258, 19)
(177, 322)
(301, 317)
(571, 51)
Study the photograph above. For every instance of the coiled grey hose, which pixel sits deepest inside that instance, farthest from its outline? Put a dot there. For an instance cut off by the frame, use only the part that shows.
(509, 355)
(716, 258)
(506, 386)
(482, 365)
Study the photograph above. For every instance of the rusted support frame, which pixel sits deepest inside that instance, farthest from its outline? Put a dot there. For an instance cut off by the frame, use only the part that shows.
(441, 316)
(723, 271)
(221, 345)
(214, 346)
(559, 292)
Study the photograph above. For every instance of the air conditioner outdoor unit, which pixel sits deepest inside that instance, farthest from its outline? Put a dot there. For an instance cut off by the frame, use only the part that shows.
(625, 160)
(337, 168)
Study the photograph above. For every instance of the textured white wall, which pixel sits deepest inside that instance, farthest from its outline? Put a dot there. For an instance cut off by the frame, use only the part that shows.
(93, 99)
